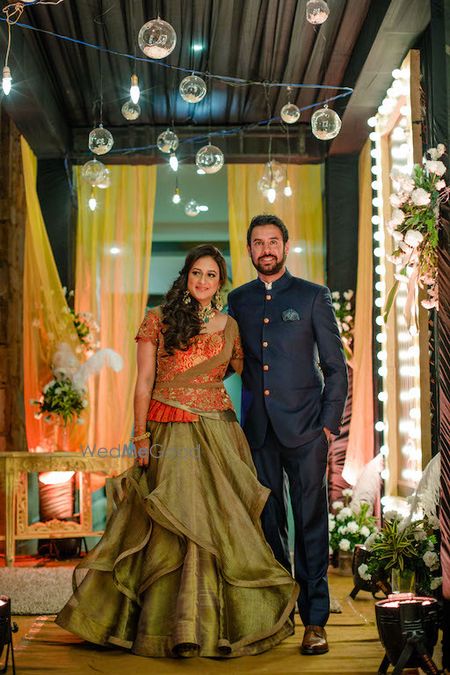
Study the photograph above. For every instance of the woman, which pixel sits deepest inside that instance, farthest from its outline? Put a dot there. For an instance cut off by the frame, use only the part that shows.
(183, 568)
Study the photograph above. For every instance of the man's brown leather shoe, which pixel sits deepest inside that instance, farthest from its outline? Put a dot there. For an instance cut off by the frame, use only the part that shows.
(314, 640)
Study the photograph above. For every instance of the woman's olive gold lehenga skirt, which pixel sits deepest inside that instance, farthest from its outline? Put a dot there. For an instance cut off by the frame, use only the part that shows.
(183, 567)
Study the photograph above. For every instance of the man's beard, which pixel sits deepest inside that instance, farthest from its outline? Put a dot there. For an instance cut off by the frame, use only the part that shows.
(267, 270)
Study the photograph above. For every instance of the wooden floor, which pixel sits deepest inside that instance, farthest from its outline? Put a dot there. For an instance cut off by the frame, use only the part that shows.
(42, 647)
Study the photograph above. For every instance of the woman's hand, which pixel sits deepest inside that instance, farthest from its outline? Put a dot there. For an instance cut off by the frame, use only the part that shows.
(143, 452)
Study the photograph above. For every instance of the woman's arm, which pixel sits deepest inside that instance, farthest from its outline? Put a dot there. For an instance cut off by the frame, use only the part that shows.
(237, 365)
(146, 365)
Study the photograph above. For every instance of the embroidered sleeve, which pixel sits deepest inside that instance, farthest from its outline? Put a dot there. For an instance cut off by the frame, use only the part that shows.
(149, 329)
(238, 352)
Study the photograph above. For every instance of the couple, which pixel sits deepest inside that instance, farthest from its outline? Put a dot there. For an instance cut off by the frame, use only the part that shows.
(195, 561)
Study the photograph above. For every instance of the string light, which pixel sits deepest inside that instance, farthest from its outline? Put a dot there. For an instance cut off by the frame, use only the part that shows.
(135, 92)
(173, 161)
(92, 202)
(287, 189)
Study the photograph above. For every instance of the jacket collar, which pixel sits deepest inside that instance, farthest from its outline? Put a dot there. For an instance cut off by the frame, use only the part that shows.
(279, 284)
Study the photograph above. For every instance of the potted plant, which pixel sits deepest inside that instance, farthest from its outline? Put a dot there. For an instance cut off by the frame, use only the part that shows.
(349, 525)
(407, 552)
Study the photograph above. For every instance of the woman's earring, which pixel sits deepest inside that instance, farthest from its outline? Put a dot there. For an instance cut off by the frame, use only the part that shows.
(186, 297)
(218, 301)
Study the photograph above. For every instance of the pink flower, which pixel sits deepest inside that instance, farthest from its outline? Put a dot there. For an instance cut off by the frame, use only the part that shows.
(435, 167)
(396, 200)
(397, 217)
(440, 185)
(397, 235)
(413, 238)
(420, 197)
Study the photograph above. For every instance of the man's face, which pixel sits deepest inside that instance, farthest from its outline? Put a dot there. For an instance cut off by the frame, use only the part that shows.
(267, 251)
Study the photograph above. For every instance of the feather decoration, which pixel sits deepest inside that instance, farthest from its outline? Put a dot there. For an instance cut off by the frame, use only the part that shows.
(65, 363)
(367, 487)
(427, 492)
(104, 357)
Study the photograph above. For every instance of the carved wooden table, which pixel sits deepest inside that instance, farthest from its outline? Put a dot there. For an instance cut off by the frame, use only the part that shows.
(14, 466)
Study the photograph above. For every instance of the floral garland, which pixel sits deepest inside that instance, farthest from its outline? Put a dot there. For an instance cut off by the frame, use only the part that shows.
(345, 316)
(414, 226)
(86, 327)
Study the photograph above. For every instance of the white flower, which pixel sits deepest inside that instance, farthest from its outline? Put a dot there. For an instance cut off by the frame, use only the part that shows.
(348, 295)
(434, 522)
(391, 515)
(345, 326)
(397, 235)
(343, 529)
(397, 217)
(344, 513)
(336, 306)
(348, 319)
(348, 306)
(440, 185)
(420, 197)
(365, 531)
(331, 525)
(420, 535)
(330, 551)
(363, 573)
(428, 304)
(337, 505)
(48, 385)
(435, 583)
(344, 545)
(396, 200)
(335, 295)
(347, 492)
(431, 559)
(413, 238)
(353, 527)
(406, 183)
(437, 168)
(370, 540)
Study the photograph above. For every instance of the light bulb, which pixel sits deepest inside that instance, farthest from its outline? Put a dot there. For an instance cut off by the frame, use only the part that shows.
(135, 92)
(271, 194)
(372, 121)
(203, 207)
(176, 198)
(92, 203)
(7, 80)
(173, 161)
(287, 189)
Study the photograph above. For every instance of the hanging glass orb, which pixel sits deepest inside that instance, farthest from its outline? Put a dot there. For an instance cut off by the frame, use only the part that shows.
(167, 141)
(325, 124)
(275, 171)
(93, 172)
(264, 185)
(105, 181)
(209, 158)
(192, 208)
(130, 110)
(157, 39)
(317, 11)
(290, 113)
(100, 140)
(192, 89)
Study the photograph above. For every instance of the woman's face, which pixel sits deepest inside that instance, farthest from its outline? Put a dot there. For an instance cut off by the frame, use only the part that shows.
(203, 279)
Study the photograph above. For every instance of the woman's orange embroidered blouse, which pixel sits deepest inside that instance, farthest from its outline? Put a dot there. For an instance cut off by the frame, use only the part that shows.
(192, 380)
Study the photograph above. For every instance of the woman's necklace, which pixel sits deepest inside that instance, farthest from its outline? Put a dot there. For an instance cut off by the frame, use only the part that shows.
(206, 313)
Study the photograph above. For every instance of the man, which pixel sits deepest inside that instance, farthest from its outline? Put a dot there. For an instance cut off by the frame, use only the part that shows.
(294, 391)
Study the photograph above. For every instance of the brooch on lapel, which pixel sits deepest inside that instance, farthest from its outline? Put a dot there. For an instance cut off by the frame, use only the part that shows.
(290, 315)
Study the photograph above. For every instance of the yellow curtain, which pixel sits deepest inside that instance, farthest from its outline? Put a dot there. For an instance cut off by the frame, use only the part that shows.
(46, 320)
(112, 272)
(302, 214)
(360, 444)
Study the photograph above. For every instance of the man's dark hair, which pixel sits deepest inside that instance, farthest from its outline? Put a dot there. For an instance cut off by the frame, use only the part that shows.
(265, 219)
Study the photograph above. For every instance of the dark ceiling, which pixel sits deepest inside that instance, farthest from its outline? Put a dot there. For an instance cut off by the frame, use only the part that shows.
(57, 83)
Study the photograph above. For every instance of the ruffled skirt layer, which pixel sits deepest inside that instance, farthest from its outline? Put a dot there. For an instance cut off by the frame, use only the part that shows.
(183, 567)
